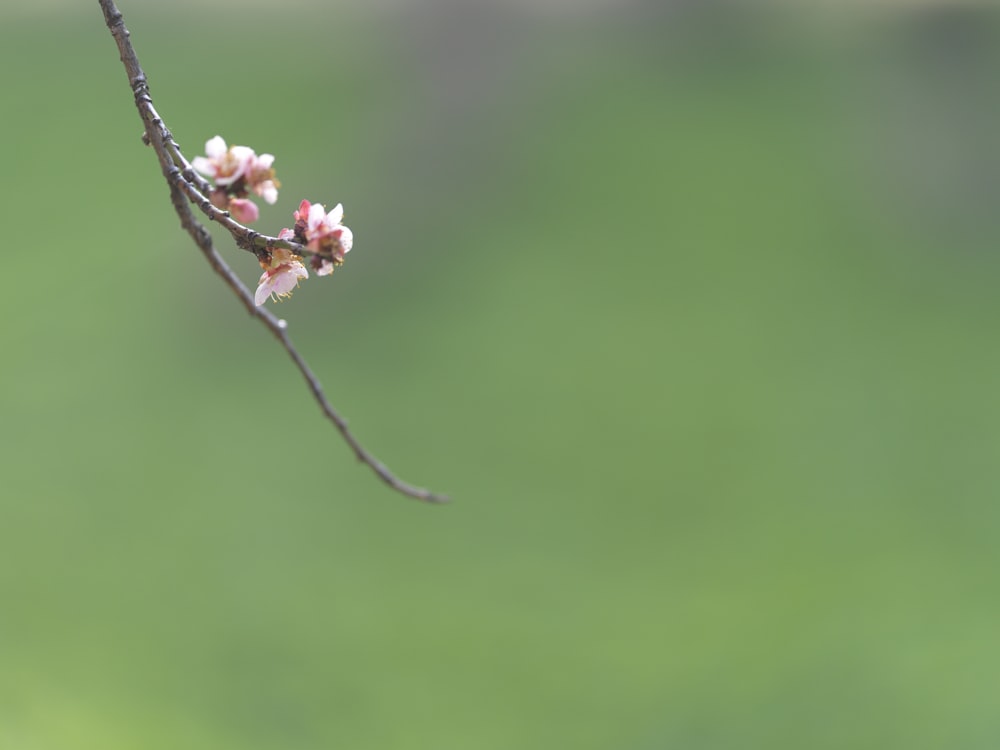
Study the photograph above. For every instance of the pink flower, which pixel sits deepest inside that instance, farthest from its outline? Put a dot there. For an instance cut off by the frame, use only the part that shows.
(224, 165)
(281, 275)
(260, 178)
(324, 233)
(243, 210)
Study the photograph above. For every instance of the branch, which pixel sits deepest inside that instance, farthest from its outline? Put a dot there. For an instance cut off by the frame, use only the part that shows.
(187, 187)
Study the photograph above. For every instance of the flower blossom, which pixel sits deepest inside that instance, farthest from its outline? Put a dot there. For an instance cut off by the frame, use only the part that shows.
(324, 234)
(237, 170)
(260, 178)
(281, 273)
(224, 165)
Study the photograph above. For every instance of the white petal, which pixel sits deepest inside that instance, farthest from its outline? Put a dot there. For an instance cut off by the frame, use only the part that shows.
(283, 283)
(215, 147)
(263, 291)
(242, 153)
(316, 215)
(346, 239)
(287, 278)
(268, 191)
(243, 156)
(203, 165)
(335, 216)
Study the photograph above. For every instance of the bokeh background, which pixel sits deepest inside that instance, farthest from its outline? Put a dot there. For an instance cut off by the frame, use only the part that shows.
(692, 306)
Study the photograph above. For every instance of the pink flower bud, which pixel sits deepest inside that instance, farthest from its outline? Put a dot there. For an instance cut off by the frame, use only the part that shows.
(243, 210)
(220, 199)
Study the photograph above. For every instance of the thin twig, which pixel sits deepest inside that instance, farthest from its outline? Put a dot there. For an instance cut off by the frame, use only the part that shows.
(186, 188)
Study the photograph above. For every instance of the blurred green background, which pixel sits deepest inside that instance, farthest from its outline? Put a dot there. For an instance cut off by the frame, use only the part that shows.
(692, 307)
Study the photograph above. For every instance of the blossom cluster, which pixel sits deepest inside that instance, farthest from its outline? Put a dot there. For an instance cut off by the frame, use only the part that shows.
(237, 171)
(320, 231)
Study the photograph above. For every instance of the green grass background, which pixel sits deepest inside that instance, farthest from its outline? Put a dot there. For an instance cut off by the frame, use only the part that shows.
(694, 313)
